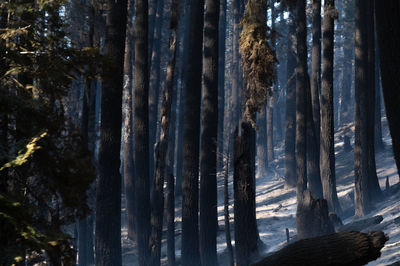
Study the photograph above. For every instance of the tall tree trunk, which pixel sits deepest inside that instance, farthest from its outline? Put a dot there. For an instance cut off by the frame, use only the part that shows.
(154, 87)
(316, 69)
(209, 135)
(191, 139)
(328, 176)
(128, 143)
(290, 135)
(270, 130)
(221, 83)
(262, 159)
(387, 25)
(362, 200)
(141, 132)
(374, 189)
(108, 200)
(152, 11)
(226, 213)
(301, 86)
(379, 146)
(157, 195)
(236, 80)
(181, 98)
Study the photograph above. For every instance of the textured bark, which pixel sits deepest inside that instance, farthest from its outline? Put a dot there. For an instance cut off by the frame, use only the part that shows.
(141, 132)
(379, 146)
(157, 195)
(152, 10)
(154, 83)
(312, 217)
(128, 170)
(170, 219)
(362, 201)
(328, 175)
(221, 82)
(290, 135)
(387, 25)
(316, 68)
(191, 138)
(270, 130)
(347, 248)
(209, 135)
(246, 234)
(108, 200)
(236, 80)
(301, 87)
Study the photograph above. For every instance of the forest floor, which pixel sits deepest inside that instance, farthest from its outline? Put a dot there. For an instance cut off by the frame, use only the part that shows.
(276, 204)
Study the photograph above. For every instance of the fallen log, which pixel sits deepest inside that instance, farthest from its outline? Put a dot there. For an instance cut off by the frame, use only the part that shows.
(345, 248)
(360, 225)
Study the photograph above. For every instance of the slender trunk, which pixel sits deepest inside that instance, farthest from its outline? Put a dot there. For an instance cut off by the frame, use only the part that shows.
(328, 175)
(152, 8)
(191, 139)
(262, 159)
(108, 199)
(209, 135)
(378, 107)
(226, 213)
(362, 201)
(141, 132)
(290, 135)
(236, 81)
(316, 69)
(270, 130)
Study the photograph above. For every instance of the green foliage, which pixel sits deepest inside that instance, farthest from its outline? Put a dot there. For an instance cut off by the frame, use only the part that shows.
(258, 58)
(45, 167)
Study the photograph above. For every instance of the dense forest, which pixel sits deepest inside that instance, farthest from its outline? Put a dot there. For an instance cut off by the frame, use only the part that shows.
(199, 132)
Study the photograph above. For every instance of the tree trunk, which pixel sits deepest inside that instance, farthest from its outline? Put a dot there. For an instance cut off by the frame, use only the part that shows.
(209, 134)
(229, 248)
(246, 235)
(108, 207)
(328, 175)
(347, 248)
(157, 195)
(270, 130)
(262, 159)
(290, 135)
(387, 25)
(362, 201)
(236, 80)
(154, 87)
(301, 86)
(221, 83)
(316, 69)
(141, 132)
(378, 107)
(191, 138)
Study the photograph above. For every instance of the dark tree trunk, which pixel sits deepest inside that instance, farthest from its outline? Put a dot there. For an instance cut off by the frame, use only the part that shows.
(157, 195)
(236, 80)
(316, 68)
(387, 25)
(290, 135)
(154, 87)
(246, 234)
(221, 83)
(262, 159)
(141, 132)
(209, 134)
(152, 7)
(301, 87)
(226, 213)
(191, 139)
(108, 200)
(182, 89)
(270, 130)
(362, 201)
(374, 189)
(328, 176)
(378, 99)
(128, 143)
(170, 218)
(347, 248)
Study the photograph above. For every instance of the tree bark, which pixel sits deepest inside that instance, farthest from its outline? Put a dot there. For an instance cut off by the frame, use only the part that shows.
(347, 248)
(141, 132)
(290, 135)
(209, 135)
(389, 55)
(108, 207)
(328, 175)
(191, 138)
(316, 68)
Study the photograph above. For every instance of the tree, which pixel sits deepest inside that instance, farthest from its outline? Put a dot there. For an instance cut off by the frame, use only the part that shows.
(108, 200)
(141, 132)
(209, 138)
(290, 135)
(328, 175)
(389, 59)
(157, 195)
(316, 66)
(191, 138)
